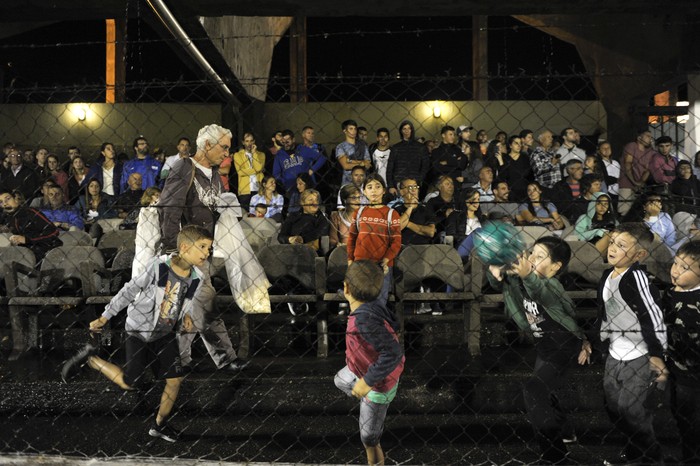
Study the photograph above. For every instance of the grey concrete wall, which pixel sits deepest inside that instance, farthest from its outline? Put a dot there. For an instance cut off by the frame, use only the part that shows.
(510, 116)
(57, 126)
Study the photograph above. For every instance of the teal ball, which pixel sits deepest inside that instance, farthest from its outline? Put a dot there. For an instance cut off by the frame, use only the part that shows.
(498, 243)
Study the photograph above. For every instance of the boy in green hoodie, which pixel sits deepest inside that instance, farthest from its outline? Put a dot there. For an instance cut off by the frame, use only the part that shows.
(537, 302)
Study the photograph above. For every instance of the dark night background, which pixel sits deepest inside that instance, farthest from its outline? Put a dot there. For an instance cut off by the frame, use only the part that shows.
(349, 59)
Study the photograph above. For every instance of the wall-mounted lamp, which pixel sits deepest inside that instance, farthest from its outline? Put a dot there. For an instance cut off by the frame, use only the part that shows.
(436, 110)
(80, 111)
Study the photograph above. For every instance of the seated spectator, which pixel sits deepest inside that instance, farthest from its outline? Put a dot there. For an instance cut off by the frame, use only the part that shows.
(58, 175)
(351, 198)
(308, 226)
(42, 202)
(417, 221)
(143, 164)
(65, 217)
(260, 211)
(538, 211)
(500, 203)
(78, 179)
(590, 184)
(564, 192)
(545, 161)
(696, 165)
(594, 166)
(658, 221)
(612, 169)
(131, 198)
(442, 205)
(29, 227)
(268, 196)
(484, 185)
(596, 225)
(462, 223)
(357, 179)
(687, 229)
(150, 197)
(685, 189)
(294, 195)
(95, 204)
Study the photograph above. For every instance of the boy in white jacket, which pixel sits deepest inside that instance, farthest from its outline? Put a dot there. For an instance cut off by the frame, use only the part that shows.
(159, 304)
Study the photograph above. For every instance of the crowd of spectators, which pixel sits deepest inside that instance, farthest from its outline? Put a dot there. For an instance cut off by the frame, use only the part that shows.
(440, 188)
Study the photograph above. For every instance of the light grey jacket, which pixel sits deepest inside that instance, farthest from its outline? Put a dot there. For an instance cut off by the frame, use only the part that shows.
(144, 295)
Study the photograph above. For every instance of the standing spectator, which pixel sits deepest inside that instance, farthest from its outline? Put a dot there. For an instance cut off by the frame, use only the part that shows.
(107, 170)
(612, 170)
(380, 152)
(268, 196)
(78, 179)
(292, 160)
(189, 196)
(527, 139)
(482, 139)
(408, 158)
(685, 189)
(636, 158)
(308, 140)
(375, 233)
(58, 175)
(352, 151)
(545, 163)
(518, 173)
(183, 152)
(249, 163)
(497, 158)
(73, 152)
(358, 175)
(447, 159)
(41, 168)
(341, 219)
(65, 217)
(696, 165)
(569, 149)
(663, 164)
(19, 176)
(142, 163)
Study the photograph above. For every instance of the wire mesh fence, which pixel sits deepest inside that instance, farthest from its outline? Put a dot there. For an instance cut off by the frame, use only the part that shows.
(266, 352)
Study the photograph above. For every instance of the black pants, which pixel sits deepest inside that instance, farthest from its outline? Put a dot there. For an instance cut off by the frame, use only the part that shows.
(543, 410)
(685, 405)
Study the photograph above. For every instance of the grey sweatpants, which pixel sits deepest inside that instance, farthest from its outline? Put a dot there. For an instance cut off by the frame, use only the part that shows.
(372, 414)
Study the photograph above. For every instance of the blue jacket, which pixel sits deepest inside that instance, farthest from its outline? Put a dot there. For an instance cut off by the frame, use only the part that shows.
(66, 214)
(149, 168)
(286, 167)
(96, 173)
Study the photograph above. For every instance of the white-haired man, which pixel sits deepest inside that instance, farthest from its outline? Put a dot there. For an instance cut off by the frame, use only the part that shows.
(190, 196)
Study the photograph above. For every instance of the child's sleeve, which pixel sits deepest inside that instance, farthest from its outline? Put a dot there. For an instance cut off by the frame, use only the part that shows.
(395, 239)
(352, 237)
(651, 319)
(376, 334)
(513, 300)
(551, 295)
(128, 293)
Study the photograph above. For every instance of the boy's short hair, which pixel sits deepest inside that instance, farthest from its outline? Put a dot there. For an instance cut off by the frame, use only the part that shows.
(364, 279)
(690, 249)
(192, 233)
(558, 249)
(639, 231)
(261, 206)
(383, 130)
(344, 125)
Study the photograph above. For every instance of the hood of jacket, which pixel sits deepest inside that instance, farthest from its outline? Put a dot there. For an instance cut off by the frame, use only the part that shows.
(590, 212)
(379, 311)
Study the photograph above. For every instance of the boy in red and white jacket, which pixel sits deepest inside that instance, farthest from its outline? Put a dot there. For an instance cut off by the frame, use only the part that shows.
(374, 356)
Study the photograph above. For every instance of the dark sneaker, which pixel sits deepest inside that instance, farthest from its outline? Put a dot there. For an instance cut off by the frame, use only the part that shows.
(164, 431)
(236, 366)
(72, 367)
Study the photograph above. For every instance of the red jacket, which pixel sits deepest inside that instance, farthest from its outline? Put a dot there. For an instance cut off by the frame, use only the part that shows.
(375, 240)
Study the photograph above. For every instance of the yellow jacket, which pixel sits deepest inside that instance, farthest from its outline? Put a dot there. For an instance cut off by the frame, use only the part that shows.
(245, 171)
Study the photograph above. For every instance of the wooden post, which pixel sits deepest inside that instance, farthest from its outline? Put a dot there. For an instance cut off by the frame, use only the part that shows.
(480, 58)
(115, 71)
(297, 60)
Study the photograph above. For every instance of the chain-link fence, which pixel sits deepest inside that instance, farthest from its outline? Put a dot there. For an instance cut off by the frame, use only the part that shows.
(486, 351)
